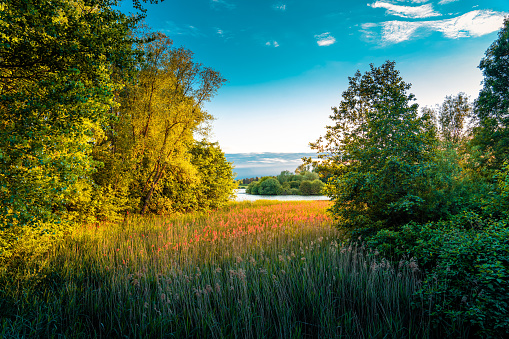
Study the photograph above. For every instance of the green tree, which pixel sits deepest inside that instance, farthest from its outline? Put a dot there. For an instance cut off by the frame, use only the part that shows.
(452, 118)
(378, 150)
(161, 110)
(216, 175)
(492, 105)
(252, 188)
(305, 187)
(284, 176)
(317, 186)
(269, 186)
(56, 89)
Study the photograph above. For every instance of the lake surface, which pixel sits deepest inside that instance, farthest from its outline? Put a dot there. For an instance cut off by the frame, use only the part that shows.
(242, 196)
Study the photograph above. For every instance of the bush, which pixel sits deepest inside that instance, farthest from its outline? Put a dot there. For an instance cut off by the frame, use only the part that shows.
(317, 186)
(252, 188)
(269, 186)
(306, 188)
(466, 261)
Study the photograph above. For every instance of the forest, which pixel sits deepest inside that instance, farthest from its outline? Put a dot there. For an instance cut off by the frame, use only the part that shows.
(116, 217)
(100, 117)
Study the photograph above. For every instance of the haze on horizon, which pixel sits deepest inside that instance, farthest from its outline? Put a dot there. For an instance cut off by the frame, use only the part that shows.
(287, 62)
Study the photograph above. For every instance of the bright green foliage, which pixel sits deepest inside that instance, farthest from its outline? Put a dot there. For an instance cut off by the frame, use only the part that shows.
(56, 60)
(145, 151)
(492, 105)
(216, 175)
(379, 151)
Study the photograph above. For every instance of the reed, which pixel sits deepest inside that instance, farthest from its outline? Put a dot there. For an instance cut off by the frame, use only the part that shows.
(251, 270)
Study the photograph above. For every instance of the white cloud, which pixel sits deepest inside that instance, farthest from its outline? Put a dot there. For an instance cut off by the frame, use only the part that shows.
(443, 2)
(280, 7)
(174, 29)
(423, 11)
(325, 39)
(472, 24)
(272, 43)
(398, 31)
(475, 23)
(216, 4)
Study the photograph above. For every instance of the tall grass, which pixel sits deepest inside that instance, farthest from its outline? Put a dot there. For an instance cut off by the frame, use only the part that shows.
(251, 270)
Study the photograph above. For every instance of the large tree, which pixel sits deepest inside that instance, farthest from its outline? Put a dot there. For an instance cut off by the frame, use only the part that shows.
(160, 112)
(377, 150)
(56, 89)
(492, 105)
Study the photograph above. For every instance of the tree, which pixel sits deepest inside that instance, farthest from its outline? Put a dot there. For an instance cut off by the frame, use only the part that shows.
(161, 110)
(269, 186)
(217, 183)
(284, 176)
(56, 89)
(377, 150)
(452, 117)
(492, 105)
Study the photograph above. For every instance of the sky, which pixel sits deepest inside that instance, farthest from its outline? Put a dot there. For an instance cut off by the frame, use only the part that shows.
(287, 62)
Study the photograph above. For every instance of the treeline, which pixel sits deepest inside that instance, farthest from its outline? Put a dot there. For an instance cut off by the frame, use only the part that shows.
(430, 185)
(286, 183)
(99, 117)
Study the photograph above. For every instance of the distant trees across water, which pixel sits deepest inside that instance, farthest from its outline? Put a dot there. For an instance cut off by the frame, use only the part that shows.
(302, 183)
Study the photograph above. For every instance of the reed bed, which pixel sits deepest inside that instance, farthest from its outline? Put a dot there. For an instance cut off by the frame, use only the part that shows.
(262, 269)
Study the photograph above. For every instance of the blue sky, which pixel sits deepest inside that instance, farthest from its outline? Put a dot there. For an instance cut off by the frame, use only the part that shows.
(287, 62)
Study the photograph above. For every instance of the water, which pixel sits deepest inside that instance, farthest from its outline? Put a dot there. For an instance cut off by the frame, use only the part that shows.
(242, 196)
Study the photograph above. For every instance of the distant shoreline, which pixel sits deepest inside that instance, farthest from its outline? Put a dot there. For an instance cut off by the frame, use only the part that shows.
(242, 196)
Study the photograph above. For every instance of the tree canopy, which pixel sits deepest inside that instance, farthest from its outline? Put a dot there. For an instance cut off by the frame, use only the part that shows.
(98, 119)
(378, 149)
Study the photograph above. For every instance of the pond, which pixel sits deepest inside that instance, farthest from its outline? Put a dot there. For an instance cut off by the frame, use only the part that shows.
(242, 196)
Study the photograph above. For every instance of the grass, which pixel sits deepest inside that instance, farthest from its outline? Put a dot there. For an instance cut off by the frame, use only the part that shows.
(252, 270)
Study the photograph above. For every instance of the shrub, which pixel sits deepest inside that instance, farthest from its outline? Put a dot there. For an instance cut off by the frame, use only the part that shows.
(466, 261)
(269, 186)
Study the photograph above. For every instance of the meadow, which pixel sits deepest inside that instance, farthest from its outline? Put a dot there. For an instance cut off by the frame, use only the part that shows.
(250, 270)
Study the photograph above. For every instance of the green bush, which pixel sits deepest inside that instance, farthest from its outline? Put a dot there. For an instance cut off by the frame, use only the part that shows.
(252, 188)
(269, 186)
(466, 266)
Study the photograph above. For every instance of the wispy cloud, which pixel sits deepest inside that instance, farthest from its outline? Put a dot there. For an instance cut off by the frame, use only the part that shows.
(218, 4)
(272, 43)
(443, 2)
(475, 23)
(325, 39)
(415, 12)
(472, 24)
(279, 7)
(174, 29)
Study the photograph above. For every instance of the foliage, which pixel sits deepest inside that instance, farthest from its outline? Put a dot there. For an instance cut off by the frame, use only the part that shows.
(466, 260)
(56, 92)
(145, 151)
(216, 175)
(301, 183)
(271, 186)
(379, 151)
(452, 117)
(492, 106)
